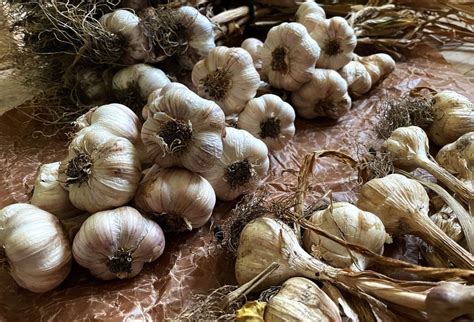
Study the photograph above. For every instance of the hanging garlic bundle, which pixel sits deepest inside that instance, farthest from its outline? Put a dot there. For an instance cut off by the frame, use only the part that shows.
(337, 42)
(243, 163)
(357, 78)
(101, 170)
(324, 95)
(269, 119)
(377, 65)
(184, 130)
(299, 299)
(288, 56)
(450, 302)
(409, 148)
(49, 195)
(402, 205)
(182, 200)
(252, 46)
(347, 222)
(308, 13)
(458, 157)
(116, 243)
(34, 247)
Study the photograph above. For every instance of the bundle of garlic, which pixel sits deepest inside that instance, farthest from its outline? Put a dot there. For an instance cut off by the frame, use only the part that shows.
(243, 163)
(308, 14)
(324, 95)
(33, 247)
(116, 243)
(348, 222)
(269, 119)
(377, 65)
(458, 157)
(357, 77)
(252, 46)
(101, 170)
(182, 200)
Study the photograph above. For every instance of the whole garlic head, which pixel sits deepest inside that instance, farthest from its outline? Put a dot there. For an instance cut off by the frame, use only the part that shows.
(116, 243)
(337, 41)
(308, 13)
(34, 247)
(253, 47)
(269, 119)
(351, 224)
(243, 163)
(324, 95)
(357, 78)
(227, 76)
(458, 157)
(182, 199)
(288, 56)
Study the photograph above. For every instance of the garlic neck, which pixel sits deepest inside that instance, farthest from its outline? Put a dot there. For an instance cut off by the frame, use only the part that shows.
(176, 134)
(279, 59)
(239, 173)
(270, 128)
(217, 84)
(79, 169)
(121, 262)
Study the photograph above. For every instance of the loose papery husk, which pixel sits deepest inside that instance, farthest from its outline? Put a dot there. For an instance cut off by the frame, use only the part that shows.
(192, 263)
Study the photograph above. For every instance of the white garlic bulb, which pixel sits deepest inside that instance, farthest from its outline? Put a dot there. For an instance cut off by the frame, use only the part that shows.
(377, 65)
(34, 247)
(101, 170)
(337, 41)
(324, 95)
(49, 195)
(253, 47)
(458, 157)
(116, 243)
(351, 224)
(181, 199)
(288, 56)
(186, 130)
(243, 163)
(308, 13)
(269, 119)
(227, 76)
(153, 99)
(357, 78)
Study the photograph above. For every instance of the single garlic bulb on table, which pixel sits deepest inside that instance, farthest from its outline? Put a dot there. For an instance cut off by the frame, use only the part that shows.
(269, 119)
(243, 163)
(182, 200)
(324, 95)
(308, 13)
(377, 65)
(288, 56)
(253, 47)
(34, 247)
(116, 243)
(227, 76)
(337, 42)
(101, 170)
(351, 224)
(357, 77)
(186, 130)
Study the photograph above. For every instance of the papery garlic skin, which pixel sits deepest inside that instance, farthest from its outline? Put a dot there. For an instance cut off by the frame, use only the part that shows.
(337, 41)
(49, 195)
(357, 78)
(186, 130)
(226, 76)
(269, 119)
(351, 224)
(377, 65)
(101, 170)
(244, 162)
(288, 56)
(152, 105)
(116, 243)
(448, 222)
(35, 247)
(308, 13)
(253, 47)
(184, 197)
(324, 95)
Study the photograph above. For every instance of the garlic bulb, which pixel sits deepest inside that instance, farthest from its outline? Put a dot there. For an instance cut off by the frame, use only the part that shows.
(49, 195)
(186, 130)
(308, 13)
(228, 77)
(34, 247)
(288, 56)
(269, 119)
(243, 163)
(324, 95)
(299, 299)
(402, 205)
(377, 65)
(153, 99)
(447, 221)
(116, 243)
(458, 157)
(347, 222)
(450, 302)
(357, 78)
(101, 170)
(337, 41)
(453, 117)
(182, 199)
(253, 47)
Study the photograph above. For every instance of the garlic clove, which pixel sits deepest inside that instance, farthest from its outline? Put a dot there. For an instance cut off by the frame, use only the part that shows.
(253, 47)
(377, 65)
(308, 13)
(357, 78)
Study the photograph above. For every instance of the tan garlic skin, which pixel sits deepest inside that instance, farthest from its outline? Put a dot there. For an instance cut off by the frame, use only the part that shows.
(185, 197)
(453, 117)
(357, 78)
(351, 224)
(269, 119)
(308, 13)
(450, 302)
(36, 250)
(253, 47)
(116, 243)
(288, 56)
(324, 95)
(377, 65)
(300, 299)
(228, 77)
(458, 157)
(447, 221)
